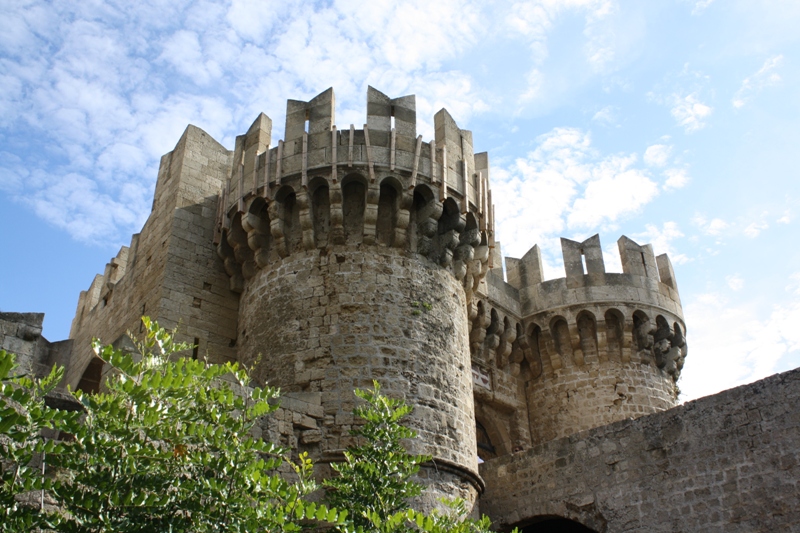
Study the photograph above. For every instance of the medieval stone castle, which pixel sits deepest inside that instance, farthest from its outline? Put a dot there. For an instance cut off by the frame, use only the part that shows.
(342, 256)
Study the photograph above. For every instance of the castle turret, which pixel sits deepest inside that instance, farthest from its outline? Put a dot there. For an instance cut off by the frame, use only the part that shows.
(357, 253)
(601, 346)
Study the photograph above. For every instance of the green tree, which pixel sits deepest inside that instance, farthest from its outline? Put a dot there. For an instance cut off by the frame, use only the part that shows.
(374, 483)
(168, 445)
(23, 418)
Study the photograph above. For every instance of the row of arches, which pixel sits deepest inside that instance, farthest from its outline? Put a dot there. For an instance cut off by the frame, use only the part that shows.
(354, 212)
(547, 344)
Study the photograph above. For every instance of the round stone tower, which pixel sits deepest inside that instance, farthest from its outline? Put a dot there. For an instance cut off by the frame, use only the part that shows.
(356, 254)
(600, 347)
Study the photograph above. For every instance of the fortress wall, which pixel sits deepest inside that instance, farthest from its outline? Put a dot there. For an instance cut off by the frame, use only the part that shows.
(170, 272)
(21, 334)
(725, 463)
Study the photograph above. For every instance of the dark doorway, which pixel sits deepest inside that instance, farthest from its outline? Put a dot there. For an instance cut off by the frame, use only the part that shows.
(556, 525)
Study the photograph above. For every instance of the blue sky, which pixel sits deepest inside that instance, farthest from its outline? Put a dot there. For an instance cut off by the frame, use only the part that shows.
(672, 122)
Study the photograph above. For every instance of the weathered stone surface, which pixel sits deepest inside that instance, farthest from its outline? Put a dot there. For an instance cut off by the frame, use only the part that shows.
(725, 463)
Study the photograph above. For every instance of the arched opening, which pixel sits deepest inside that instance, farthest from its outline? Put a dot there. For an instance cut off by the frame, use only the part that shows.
(259, 237)
(92, 376)
(320, 212)
(614, 335)
(536, 349)
(563, 344)
(354, 202)
(421, 227)
(388, 207)
(486, 449)
(451, 217)
(238, 239)
(289, 214)
(555, 524)
(471, 234)
(587, 330)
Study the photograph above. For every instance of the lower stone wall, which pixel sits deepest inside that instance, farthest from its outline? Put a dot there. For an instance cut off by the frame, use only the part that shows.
(21, 334)
(725, 463)
(577, 397)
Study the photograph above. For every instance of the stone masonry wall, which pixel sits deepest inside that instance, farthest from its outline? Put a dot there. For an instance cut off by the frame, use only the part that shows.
(725, 463)
(328, 321)
(21, 334)
(171, 271)
(574, 398)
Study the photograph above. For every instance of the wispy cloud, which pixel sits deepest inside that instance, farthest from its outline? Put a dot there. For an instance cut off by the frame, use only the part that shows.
(763, 78)
(732, 343)
(700, 6)
(677, 178)
(567, 184)
(690, 112)
(735, 282)
(106, 90)
(606, 115)
(754, 229)
(710, 227)
(657, 155)
(661, 239)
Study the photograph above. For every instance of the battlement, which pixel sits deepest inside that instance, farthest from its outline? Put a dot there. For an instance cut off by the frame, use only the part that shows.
(646, 279)
(380, 185)
(314, 147)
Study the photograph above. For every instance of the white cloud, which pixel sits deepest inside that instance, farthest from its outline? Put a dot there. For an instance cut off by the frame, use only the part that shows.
(184, 52)
(690, 112)
(535, 20)
(735, 282)
(661, 239)
(107, 90)
(607, 115)
(535, 82)
(700, 6)
(657, 155)
(755, 228)
(732, 343)
(676, 178)
(252, 19)
(752, 85)
(710, 227)
(565, 184)
(611, 258)
(617, 188)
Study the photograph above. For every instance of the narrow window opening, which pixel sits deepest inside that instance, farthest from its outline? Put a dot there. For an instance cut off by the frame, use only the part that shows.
(644, 263)
(583, 262)
(196, 348)
(305, 124)
(391, 125)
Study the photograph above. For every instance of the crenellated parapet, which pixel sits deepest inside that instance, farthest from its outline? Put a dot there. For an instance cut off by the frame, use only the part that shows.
(636, 314)
(380, 185)
(597, 346)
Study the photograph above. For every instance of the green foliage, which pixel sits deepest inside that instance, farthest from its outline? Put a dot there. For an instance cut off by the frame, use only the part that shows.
(374, 483)
(169, 446)
(374, 480)
(23, 416)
